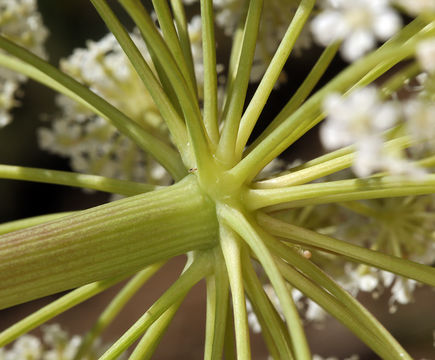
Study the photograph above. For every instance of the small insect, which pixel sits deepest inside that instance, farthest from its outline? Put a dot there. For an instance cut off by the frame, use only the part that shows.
(306, 254)
(192, 170)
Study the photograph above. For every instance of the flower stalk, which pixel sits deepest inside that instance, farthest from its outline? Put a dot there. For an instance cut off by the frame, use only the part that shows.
(129, 235)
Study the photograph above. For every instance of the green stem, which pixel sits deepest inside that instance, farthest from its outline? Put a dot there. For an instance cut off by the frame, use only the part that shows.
(234, 60)
(115, 306)
(352, 305)
(256, 105)
(199, 268)
(229, 341)
(183, 34)
(170, 36)
(210, 75)
(185, 94)
(301, 236)
(95, 182)
(217, 308)
(149, 342)
(174, 122)
(309, 113)
(336, 309)
(226, 148)
(327, 167)
(230, 245)
(253, 235)
(338, 191)
(55, 308)
(266, 313)
(302, 93)
(115, 238)
(35, 68)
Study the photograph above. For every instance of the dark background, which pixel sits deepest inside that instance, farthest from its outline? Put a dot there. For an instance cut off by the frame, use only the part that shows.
(70, 24)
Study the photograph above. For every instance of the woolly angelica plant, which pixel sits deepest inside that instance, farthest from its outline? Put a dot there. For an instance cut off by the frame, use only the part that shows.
(150, 117)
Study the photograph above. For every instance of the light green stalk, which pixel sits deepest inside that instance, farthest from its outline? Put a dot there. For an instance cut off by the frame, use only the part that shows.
(116, 238)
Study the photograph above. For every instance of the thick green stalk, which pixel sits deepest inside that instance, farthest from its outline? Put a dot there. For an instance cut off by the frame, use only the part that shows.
(116, 238)
(31, 221)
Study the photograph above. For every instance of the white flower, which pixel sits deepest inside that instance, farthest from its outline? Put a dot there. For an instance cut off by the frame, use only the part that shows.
(359, 23)
(359, 119)
(27, 347)
(21, 23)
(356, 117)
(426, 55)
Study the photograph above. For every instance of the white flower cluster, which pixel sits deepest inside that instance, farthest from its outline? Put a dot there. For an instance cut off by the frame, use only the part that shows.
(56, 345)
(93, 144)
(21, 23)
(362, 118)
(358, 23)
